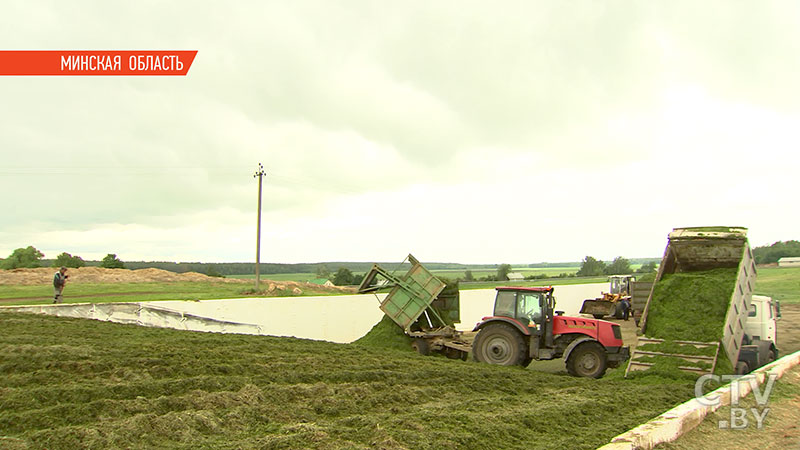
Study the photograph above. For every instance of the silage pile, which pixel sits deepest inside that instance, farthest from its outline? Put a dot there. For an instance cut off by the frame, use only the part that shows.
(689, 306)
(386, 335)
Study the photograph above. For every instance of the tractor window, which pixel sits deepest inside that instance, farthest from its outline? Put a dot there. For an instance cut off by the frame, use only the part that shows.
(504, 304)
(529, 307)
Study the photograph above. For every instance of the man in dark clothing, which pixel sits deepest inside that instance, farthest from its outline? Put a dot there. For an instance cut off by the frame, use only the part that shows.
(59, 280)
(626, 308)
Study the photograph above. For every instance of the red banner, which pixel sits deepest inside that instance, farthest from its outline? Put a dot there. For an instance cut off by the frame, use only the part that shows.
(96, 62)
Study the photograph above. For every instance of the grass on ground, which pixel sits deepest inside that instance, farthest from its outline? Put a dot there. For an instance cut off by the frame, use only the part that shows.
(782, 283)
(69, 383)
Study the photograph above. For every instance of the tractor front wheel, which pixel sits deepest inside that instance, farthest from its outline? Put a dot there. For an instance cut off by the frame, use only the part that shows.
(587, 360)
(500, 344)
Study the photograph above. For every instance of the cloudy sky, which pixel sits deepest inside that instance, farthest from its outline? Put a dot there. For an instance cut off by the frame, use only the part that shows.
(459, 131)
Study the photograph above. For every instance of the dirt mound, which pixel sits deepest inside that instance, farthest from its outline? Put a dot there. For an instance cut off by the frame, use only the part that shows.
(44, 275)
(273, 288)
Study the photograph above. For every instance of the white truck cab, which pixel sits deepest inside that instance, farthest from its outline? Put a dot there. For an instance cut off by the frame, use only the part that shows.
(760, 342)
(761, 319)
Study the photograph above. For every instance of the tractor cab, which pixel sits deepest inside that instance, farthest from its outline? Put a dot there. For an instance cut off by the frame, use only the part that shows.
(530, 307)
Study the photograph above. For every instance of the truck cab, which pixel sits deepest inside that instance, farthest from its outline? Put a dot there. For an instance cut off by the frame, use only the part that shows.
(759, 345)
(762, 319)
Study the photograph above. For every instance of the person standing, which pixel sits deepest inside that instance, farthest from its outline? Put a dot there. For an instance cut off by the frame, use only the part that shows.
(59, 280)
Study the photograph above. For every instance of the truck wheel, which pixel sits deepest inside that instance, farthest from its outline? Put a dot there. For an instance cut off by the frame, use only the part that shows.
(587, 360)
(500, 344)
(742, 368)
(421, 346)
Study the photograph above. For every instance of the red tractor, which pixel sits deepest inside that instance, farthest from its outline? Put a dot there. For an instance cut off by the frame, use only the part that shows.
(525, 327)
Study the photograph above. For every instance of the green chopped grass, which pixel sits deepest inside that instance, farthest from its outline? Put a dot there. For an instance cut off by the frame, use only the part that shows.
(711, 229)
(676, 348)
(691, 306)
(73, 383)
(385, 335)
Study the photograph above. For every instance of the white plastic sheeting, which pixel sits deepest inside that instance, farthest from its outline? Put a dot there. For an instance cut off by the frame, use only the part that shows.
(141, 314)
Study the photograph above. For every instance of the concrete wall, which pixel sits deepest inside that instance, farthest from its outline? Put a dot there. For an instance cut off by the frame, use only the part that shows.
(679, 420)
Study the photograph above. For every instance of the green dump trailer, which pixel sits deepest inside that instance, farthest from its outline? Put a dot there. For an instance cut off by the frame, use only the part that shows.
(424, 306)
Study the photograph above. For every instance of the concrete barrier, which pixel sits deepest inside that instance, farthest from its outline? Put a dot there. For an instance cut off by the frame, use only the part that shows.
(681, 419)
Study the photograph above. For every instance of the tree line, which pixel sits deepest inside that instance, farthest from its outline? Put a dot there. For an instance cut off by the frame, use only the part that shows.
(30, 258)
(591, 267)
(772, 253)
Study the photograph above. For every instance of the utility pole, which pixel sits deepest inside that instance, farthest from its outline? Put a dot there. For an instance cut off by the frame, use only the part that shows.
(260, 174)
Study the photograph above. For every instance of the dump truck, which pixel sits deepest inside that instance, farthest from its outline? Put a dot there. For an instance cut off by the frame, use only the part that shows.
(524, 325)
(612, 303)
(699, 249)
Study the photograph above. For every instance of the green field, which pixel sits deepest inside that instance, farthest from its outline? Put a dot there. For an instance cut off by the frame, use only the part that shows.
(299, 277)
(73, 383)
(782, 283)
(139, 292)
(447, 273)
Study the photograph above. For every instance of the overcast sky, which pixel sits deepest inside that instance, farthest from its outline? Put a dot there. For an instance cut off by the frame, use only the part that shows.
(459, 131)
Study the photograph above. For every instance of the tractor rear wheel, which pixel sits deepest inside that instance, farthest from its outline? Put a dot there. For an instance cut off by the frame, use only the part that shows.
(500, 344)
(587, 360)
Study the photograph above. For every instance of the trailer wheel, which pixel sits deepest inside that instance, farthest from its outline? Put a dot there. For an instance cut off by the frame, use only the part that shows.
(454, 353)
(500, 344)
(527, 362)
(421, 346)
(587, 360)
